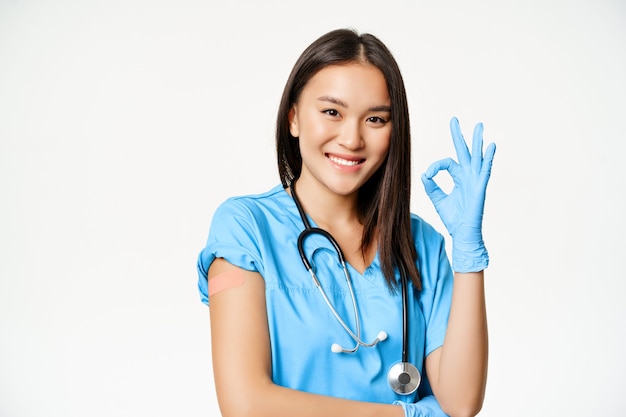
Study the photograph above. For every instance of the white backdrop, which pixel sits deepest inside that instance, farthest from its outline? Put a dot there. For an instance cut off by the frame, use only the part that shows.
(123, 124)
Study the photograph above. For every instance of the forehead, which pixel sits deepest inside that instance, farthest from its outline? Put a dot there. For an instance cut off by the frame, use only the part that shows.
(353, 82)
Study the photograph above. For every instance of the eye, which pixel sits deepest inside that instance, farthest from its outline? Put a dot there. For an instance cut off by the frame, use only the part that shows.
(331, 112)
(376, 120)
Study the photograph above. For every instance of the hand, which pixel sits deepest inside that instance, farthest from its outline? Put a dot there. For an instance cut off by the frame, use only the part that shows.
(426, 407)
(462, 210)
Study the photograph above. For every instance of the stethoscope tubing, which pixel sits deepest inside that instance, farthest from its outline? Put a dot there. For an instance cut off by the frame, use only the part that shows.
(308, 231)
(405, 316)
(315, 230)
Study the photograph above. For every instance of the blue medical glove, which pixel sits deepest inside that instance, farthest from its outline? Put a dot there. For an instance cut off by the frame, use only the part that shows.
(426, 407)
(462, 210)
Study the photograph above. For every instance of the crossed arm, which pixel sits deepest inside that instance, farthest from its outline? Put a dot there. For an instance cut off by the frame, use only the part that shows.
(243, 370)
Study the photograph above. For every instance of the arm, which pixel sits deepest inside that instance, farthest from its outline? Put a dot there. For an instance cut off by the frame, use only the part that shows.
(242, 361)
(458, 370)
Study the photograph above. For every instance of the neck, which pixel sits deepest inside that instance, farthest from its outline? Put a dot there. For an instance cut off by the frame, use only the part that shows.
(338, 215)
(327, 209)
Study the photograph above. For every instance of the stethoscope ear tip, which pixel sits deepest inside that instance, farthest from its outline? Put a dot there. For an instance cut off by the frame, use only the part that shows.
(335, 348)
(382, 335)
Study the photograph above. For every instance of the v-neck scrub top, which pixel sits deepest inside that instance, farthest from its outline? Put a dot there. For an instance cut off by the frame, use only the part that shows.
(260, 233)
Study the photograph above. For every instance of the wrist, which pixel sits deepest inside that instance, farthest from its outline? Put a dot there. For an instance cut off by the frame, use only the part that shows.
(414, 409)
(469, 256)
(426, 407)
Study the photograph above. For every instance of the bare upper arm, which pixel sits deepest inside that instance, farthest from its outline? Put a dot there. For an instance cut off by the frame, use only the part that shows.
(239, 334)
(432, 369)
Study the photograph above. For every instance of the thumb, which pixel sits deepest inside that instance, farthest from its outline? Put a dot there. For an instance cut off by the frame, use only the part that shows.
(434, 192)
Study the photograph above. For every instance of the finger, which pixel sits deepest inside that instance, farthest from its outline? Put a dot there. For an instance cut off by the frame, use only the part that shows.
(489, 153)
(462, 152)
(477, 148)
(485, 170)
(447, 164)
(432, 189)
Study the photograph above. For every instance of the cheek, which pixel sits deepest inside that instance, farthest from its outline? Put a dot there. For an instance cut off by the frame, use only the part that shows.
(316, 130)
(380, 142)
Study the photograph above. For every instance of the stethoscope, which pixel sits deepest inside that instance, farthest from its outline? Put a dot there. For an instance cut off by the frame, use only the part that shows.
(403, 377)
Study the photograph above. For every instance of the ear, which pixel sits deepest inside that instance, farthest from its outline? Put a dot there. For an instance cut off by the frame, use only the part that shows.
(294, 129)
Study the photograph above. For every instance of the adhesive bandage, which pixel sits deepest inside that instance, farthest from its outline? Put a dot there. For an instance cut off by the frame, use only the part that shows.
(229, 279)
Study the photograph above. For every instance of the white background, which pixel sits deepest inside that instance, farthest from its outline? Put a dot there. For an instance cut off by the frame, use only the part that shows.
(123, 124)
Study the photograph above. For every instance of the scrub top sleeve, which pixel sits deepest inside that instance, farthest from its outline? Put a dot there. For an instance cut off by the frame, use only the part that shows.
(234, 236)
(441, 303)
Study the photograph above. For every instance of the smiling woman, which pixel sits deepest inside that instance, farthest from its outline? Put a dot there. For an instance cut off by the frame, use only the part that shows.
(370, 271)
(342, 126)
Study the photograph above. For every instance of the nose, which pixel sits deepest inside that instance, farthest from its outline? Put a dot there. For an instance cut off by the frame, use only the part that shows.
(351, 136)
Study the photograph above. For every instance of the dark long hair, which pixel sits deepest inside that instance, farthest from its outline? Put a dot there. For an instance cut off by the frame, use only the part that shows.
(384, 200)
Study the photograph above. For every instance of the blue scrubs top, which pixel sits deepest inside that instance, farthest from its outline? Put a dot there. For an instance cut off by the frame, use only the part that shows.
(260, 233)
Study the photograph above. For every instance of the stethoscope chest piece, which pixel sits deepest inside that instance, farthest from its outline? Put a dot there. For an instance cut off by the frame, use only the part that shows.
(404, 378)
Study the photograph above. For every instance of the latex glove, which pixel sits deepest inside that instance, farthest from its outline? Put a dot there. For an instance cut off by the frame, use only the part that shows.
(461, 211)
(426, 407)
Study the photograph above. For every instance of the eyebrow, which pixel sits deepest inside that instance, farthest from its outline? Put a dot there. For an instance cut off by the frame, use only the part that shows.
(381, 108)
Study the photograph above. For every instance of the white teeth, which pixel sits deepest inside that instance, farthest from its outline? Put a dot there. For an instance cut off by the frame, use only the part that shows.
(343, 161)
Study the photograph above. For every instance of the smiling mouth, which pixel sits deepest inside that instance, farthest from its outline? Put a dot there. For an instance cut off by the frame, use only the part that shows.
(345, 162)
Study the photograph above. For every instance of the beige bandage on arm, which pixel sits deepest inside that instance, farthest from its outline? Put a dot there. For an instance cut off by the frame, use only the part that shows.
(229, 279)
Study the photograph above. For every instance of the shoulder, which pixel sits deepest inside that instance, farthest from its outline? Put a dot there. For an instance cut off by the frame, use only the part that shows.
(240, 228)
(424, 232)
(251, 207)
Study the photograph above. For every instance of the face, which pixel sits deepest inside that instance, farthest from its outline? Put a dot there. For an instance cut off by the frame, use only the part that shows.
(343, 122)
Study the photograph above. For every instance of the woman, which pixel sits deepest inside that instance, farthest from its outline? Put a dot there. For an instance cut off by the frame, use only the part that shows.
(288, 341)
